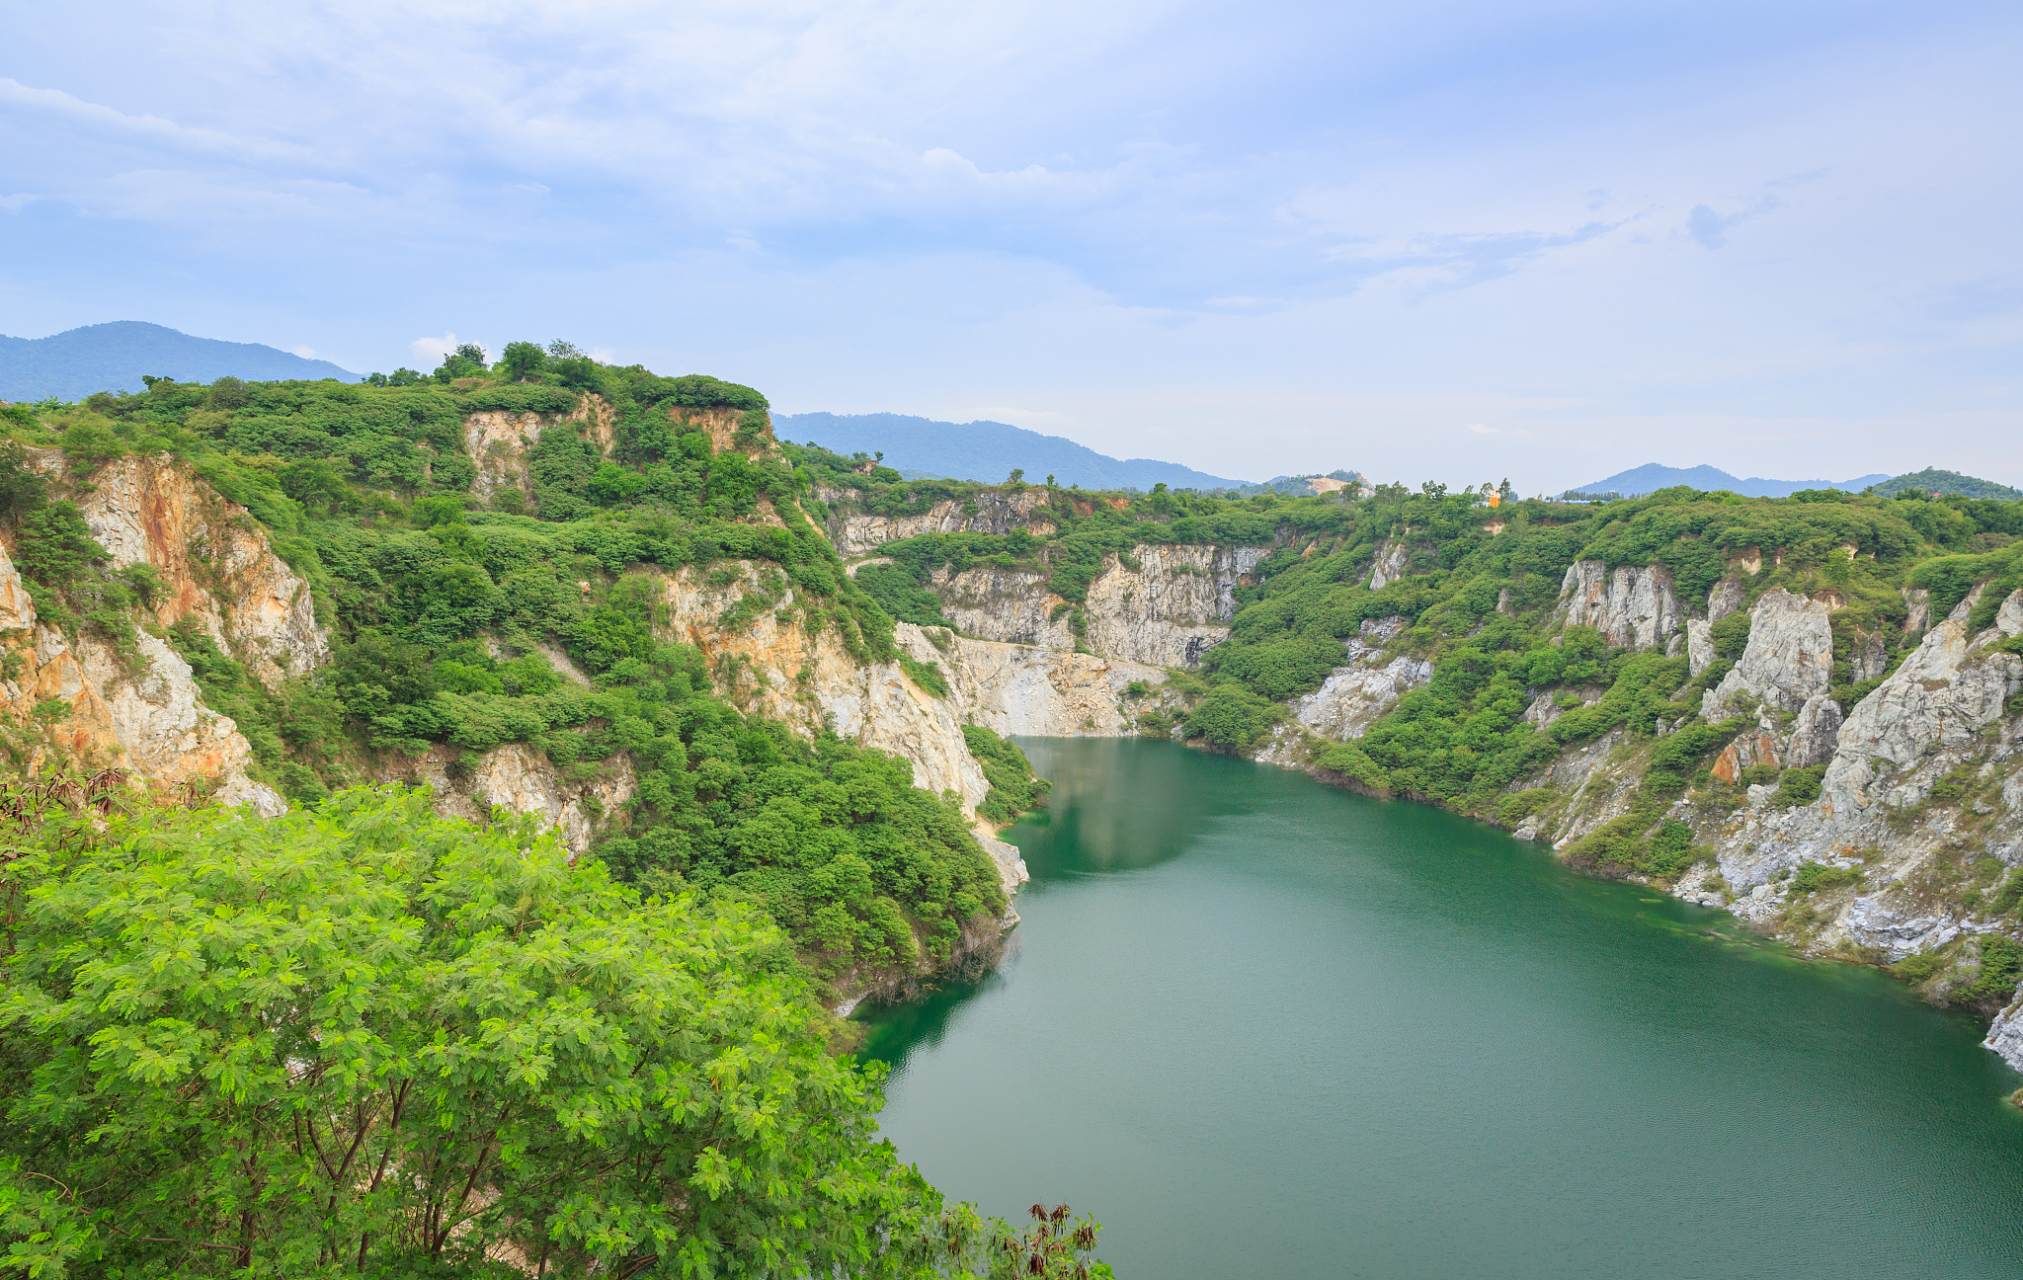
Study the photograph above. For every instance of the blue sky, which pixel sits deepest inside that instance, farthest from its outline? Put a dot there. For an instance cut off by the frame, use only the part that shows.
(1457, 241)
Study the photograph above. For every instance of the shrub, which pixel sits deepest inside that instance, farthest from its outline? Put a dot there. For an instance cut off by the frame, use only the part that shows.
(1730, 636)
(1813, 877)
(1232, 717)
(1013, 786)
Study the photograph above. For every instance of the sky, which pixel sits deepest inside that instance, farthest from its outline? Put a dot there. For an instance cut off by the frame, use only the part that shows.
(1441, 240)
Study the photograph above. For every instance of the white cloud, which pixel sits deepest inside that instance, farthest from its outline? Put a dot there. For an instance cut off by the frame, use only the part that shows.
(150, 128)
(1482, 430)
(307, 353)
(429, 352)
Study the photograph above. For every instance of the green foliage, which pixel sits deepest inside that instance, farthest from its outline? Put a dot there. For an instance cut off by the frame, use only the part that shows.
(1730, 636)
(1638, 842)
(21, 490)
(1813, 877)
(2009, 895)
(300, 1046)
(522, 361)
(925, 674)
(2001, 970)
(1797, 787)
(897, 590)
(1013, 787)
(1232, 717)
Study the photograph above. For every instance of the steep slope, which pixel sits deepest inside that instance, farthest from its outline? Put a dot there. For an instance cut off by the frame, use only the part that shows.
(1809, 712)
(126, 699)
(643, 642)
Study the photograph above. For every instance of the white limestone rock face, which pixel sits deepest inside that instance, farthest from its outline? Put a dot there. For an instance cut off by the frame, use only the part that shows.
(1869, 656)
(1815, 734)
(518, 778)
(1699, 645)
(1393, 559)
(1940, 697)
(2005, 1037)
(1014, 689)
(1173, 608)
(1725, 597)
(1167, 611)
(1918, 606)
(1930, 716)
(1789, 658)
(1357, 694)
(1634, 608)
(994, 512)
(1013, 606)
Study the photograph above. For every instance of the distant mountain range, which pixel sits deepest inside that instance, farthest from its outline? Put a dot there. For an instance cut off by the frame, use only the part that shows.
(1651, 477)
(986, 451)
(113, 357)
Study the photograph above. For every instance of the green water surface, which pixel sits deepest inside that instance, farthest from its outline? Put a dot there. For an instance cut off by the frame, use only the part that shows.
(1263, 1028)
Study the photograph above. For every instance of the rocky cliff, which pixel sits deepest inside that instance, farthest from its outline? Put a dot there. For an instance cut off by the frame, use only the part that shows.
(991, 511)
(1357, 694)
(214, 567)
(1921, 798)
(1160, 605)
(498, 442)
(1634, 608)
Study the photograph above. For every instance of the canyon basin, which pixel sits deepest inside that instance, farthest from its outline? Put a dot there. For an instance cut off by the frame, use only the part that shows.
(1260, 1027)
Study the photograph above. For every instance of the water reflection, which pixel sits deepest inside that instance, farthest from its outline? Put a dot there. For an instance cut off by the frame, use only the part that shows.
(1098, 817)
(1377, 1039)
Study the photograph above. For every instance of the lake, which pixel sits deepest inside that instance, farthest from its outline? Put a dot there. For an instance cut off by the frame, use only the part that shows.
(1260, 1027)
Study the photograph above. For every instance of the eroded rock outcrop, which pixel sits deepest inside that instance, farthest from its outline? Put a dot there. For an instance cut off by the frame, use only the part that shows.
(213, 560)
(1634, 608)
(990, 511)
(1356, 694)
(1935, 716)
(1166, 606)
(144, 714)
(1951, 686)
(519, 779)
(1016, 689)
(1014, 606)
(1393, 559)
(1789, 658)
(1172, 608)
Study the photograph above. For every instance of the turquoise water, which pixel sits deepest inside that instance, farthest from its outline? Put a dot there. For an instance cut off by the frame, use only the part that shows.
(1263, 1028)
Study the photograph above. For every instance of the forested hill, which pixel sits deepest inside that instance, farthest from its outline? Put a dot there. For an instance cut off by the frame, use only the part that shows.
(432, 1043)
(496, 551)
(1808, 709)
(120, 356)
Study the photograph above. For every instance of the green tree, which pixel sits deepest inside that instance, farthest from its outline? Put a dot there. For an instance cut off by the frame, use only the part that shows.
(522, 361)
(375, 1041)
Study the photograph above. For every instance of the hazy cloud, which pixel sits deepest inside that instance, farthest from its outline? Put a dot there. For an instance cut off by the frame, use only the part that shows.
(1255, 238)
